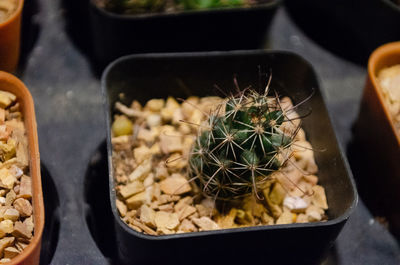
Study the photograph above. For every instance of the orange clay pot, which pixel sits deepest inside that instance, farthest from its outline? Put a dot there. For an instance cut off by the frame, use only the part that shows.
(376, 131)
(31, 253)
(10, 31)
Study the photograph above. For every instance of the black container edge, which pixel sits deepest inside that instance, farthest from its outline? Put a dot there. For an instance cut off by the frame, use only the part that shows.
(337, 220)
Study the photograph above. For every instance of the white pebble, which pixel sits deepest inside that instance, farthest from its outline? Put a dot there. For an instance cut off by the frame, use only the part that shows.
(153, 120)
(2, 200)
(16, 171)
(295, 203)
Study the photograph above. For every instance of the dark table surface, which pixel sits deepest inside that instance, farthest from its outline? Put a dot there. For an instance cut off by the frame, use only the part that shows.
(71, 130)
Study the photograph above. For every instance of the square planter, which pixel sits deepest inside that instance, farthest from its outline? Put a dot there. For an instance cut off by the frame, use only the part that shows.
(115, 35)
(350, 28)
(30, 255)
(376, 133)
(143, 77)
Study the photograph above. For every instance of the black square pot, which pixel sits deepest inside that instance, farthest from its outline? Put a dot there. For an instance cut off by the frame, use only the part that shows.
(143, 77)
(350, 28)
(115, 35)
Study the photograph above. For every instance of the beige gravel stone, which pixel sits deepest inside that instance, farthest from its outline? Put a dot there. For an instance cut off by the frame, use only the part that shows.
(21, 230)
(23, 206)
(205, 223)
(319, 197)
(136, 201)
(285, 218)
(10, 252)
(182, 203)
(175, 185)
(131, 189)
(6, 226)
(11, 214)
(121, 207)
(141, 171)
(147, 216)
(155, 105)
(166, 220)
(186, 212)
(187, 226)
(141, 153)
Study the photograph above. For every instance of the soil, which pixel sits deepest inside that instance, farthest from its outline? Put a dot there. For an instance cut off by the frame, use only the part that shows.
(155, 195)
(7, 8)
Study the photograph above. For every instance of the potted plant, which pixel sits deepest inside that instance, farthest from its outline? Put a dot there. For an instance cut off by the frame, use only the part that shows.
(377, 120)
(183, 75)
(192, 29)
(10, 27)
(22, 207)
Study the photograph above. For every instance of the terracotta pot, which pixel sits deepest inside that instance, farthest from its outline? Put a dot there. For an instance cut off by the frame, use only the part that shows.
(8, 82)
(10, 31)
(376, 132)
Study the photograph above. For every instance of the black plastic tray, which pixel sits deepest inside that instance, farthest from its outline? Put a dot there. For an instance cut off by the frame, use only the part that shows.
(143, 77)
(114, 35)
(71, 129)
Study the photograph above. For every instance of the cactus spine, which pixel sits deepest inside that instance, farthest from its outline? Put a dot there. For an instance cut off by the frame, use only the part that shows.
(241, 145)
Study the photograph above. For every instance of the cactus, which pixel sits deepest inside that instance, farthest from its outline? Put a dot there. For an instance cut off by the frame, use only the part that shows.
(241, 144)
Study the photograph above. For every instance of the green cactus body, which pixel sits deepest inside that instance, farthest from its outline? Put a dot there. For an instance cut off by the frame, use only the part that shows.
(240, 148)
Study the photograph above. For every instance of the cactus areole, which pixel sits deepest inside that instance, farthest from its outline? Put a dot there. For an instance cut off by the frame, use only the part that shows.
(240, 145)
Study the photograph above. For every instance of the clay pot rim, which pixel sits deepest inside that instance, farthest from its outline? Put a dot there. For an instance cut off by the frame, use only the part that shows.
(37, 199)
(376, 57)
(16, 13)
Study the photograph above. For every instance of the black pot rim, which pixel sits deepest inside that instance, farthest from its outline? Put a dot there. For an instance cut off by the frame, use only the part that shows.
(133, 232)
(270, 5)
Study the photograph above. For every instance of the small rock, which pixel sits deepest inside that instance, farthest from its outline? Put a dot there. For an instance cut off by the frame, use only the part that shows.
(170, 141)
(131, 189)
(141, 154)
(182, 203)
(168, 198)
(312, 179)
(21, 230)
(146, 135)
(166, 220)
(175, 185)
(319, 197)
(28, 222)
(295, 204)
(122, 209)
(136, 201)
(6, 226)
(11, 214)
(228, 220)
(277, 194)
(161, 172)
(187, 226)
(154, 105)
(187, 211)
(167, 207)
(23, 206)
(285, 218)
(205, 223)
(141, 171)
(153, 120)
(147, 216)
(10, 252)
(302, 218)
